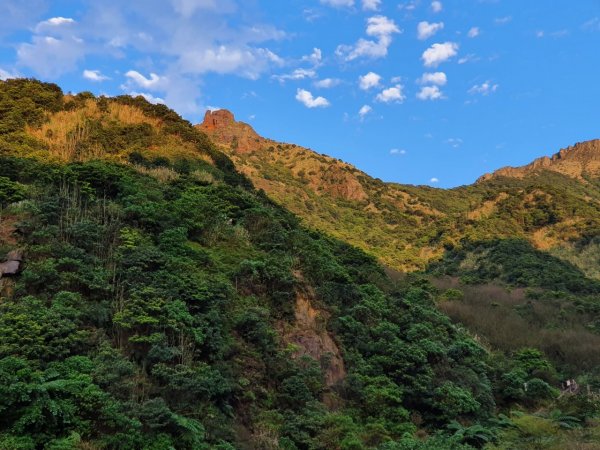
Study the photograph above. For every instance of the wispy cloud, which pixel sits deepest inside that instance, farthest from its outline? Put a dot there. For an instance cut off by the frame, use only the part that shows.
(327, 83)
(485, 88)
(425, 29)
(474, 32)
(298, 74)
(371, 5)
(502, 20)
(379, 27)
(364, 111)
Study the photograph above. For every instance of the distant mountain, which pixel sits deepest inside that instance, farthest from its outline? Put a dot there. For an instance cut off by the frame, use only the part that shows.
(581, 161)
(554, 203)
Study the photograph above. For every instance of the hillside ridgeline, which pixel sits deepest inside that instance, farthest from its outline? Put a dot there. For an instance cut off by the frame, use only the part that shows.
(553, 203)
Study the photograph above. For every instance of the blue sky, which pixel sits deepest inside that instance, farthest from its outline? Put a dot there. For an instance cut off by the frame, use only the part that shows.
(420, 92)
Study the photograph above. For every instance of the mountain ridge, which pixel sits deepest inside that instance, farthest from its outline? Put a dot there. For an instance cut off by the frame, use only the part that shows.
(577, 161)
(406, 227)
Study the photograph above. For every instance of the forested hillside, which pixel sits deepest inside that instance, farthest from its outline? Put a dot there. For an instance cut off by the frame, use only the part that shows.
(157, 300)
(552, 203)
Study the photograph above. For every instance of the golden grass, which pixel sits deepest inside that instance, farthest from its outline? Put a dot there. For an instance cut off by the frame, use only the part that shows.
(162, 174)
(65, 130)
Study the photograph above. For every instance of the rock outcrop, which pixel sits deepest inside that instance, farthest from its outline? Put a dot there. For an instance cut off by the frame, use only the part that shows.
(222, 127)
(238, 139)
(12, 264)
(310, 336)
(579, 161)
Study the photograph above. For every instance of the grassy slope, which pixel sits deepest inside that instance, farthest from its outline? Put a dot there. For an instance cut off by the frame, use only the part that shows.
(406, 227)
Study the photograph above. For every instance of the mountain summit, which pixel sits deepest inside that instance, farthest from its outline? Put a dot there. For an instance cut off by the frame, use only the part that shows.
(580, 161)
(222, 127)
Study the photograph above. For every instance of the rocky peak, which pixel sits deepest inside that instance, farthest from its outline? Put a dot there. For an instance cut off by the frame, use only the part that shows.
(222, 128)
(218, 119)
(578, 161)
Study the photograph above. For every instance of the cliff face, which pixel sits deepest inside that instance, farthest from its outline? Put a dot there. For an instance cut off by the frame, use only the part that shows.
(323, 174)
(579, 161)
(222, 127)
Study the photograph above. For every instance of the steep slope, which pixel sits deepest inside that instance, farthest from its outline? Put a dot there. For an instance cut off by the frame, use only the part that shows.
(160, 301)
(554, 203)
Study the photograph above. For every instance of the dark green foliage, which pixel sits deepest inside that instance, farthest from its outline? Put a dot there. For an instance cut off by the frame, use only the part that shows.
(157, 315)
(516, 263)
(26, 102)
(153, 313)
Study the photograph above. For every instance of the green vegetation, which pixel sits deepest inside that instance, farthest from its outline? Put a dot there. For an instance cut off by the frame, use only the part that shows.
(160, 296)
(408, 227)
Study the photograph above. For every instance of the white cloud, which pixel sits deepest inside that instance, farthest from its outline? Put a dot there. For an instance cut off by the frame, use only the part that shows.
(436, 6)
(485, 88)
(434, 180)
(397, 151)
(180, 39)
(151, 98)
(307, 99)
(425, 29)
(338, 3)
(142, 81)
(51, 57)
(327, 83)
(248, 62)
(379, 27)
(53, 23)
(371, 5)
(430, 93)
(409, 6)
(368, 81)
(437, 78)
(439, 53)
(474, 32)
(298, 74)
(364, 110)
(5, 75)
(94, 75)
(391, 95)
(315, 57)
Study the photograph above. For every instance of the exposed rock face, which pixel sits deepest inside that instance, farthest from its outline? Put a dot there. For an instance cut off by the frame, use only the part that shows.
(579, 161)
(239, 136)
(309, 333)
(12, 265)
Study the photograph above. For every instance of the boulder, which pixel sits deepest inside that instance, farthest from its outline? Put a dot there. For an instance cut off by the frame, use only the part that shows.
(12, 264)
